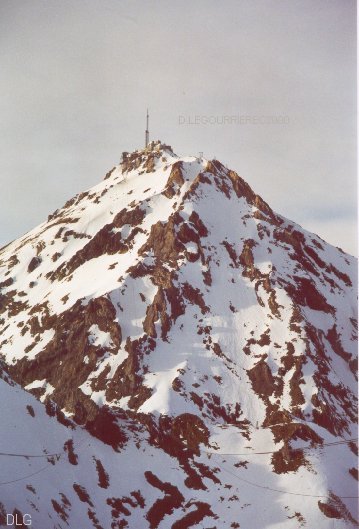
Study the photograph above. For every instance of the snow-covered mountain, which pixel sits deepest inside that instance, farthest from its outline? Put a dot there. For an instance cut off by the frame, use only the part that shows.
(180, 356)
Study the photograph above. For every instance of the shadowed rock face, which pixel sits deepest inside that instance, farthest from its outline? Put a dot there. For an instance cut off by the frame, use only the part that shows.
(262, 379)
(172, 313)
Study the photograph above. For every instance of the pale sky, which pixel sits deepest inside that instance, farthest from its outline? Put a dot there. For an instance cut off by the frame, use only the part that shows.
(76, 77)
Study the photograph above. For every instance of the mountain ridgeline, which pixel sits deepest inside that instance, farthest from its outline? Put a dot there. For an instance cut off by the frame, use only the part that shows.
(180, 356)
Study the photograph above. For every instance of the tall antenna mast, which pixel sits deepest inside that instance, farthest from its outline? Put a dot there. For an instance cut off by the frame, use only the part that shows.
(147, 134)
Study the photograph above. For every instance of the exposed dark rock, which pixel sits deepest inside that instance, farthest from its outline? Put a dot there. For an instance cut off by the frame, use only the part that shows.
(127, 380)
(194, 517)
(34, 263)
(82, 494)
(172, 500)
(175, 180)
(61, 361)
(103, 477)
(69, 448)
(7, 283)
(106, 241)
(262, 379)
(105, 426)
(305, 293)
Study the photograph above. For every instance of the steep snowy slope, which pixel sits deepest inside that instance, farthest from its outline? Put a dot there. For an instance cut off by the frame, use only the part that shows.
(199, 340)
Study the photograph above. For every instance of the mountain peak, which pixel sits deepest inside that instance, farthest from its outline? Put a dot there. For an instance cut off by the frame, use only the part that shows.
(170, 312)
(158, 146)
(146, 157)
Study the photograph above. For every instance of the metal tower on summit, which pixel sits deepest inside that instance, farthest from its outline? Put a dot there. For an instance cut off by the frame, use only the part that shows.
(147, 134)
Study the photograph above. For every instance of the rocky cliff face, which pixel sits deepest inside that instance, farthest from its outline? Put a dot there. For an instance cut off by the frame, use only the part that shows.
(169, 317)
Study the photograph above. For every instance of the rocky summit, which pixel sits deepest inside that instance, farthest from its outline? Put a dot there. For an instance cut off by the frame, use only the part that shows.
(175, 354)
